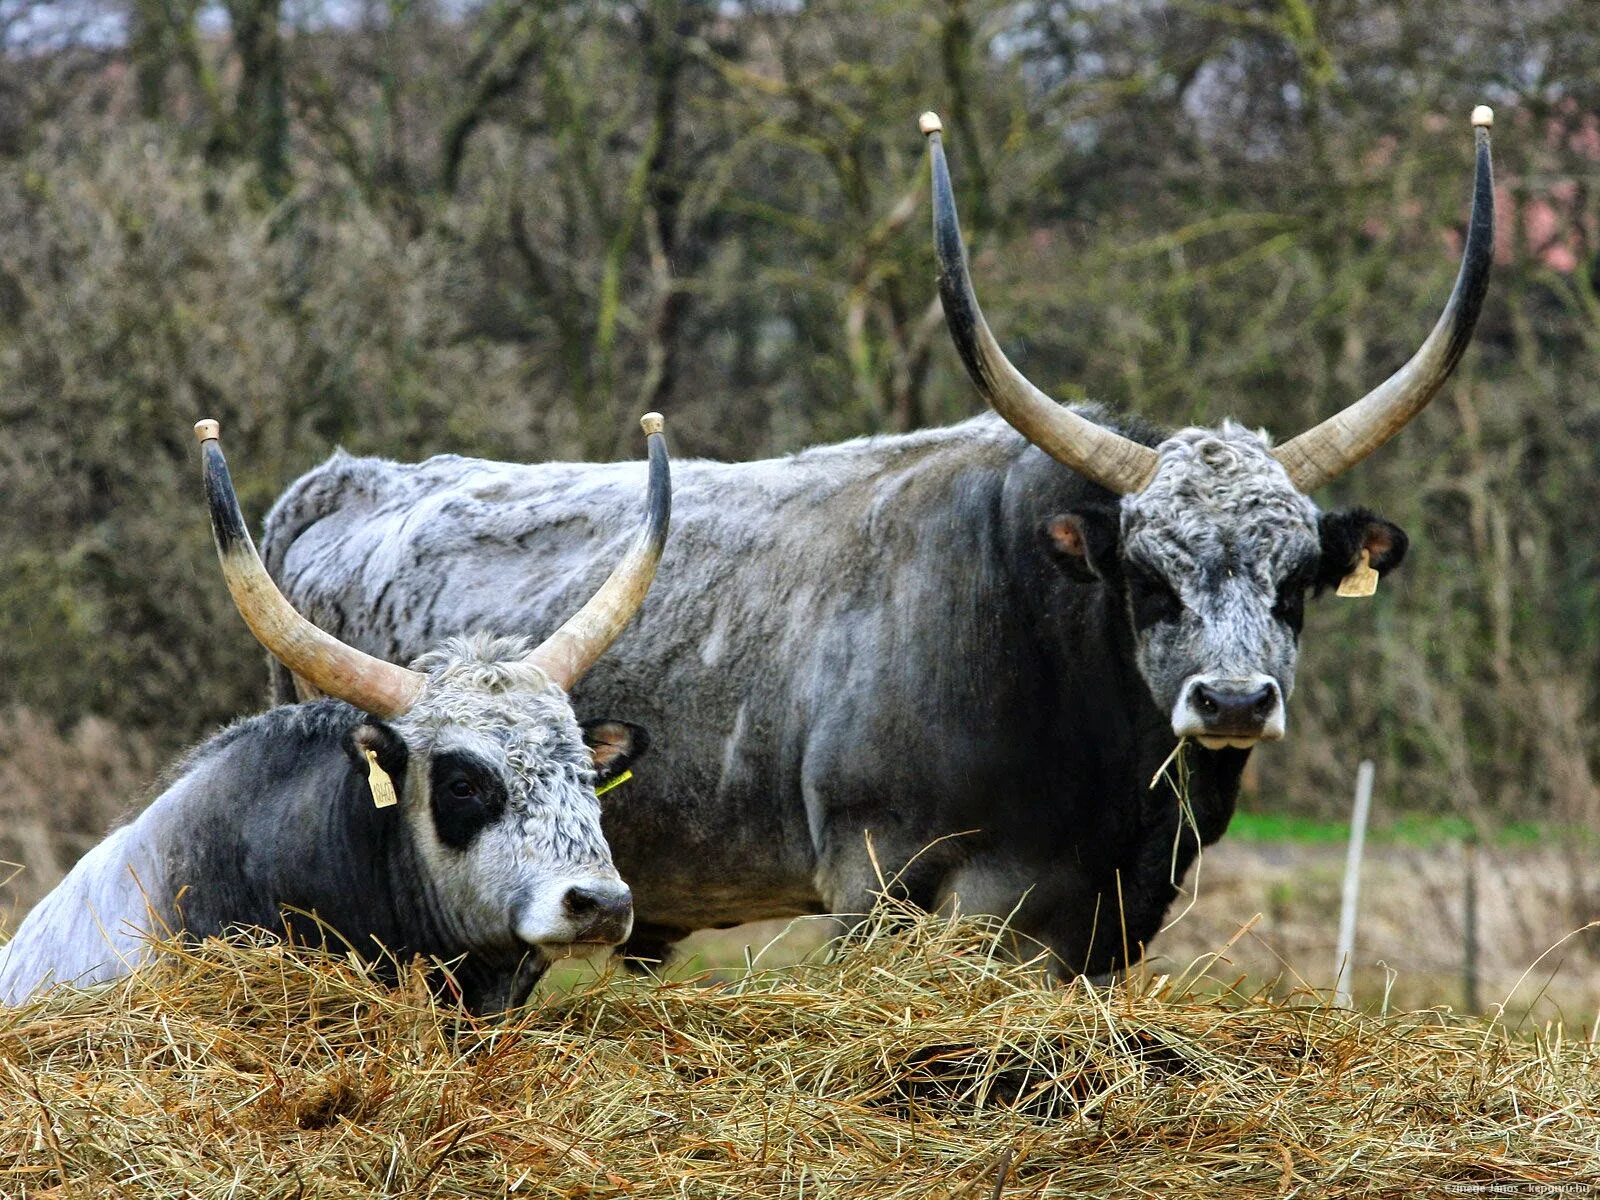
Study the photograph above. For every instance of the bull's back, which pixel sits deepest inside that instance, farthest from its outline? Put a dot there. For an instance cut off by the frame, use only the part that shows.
(92, 927)
(775, 579)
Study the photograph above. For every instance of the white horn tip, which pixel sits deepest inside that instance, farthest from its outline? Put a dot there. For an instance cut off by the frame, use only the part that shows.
(929, 122)
(1483, 117)
(207, 430)
(651, 423)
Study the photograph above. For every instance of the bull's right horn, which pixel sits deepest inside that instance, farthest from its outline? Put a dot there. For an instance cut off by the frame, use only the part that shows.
(571, 650)
(1119, 464)
(1326, 451)
(322, 660)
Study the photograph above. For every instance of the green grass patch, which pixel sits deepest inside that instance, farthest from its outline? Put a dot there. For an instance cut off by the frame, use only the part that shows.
(1411, 829)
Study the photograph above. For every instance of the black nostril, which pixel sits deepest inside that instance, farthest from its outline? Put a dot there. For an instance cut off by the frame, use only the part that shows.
(1230, 709)
(599, 906)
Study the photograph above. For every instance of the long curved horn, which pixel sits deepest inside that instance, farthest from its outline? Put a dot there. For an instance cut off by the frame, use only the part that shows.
(1108, 458)
(571, 650)
(1326, 451)
(342, 671)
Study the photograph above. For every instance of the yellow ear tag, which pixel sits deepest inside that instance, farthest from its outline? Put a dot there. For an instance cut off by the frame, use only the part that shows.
(378, 780)
(1362, 581)
(611, 783)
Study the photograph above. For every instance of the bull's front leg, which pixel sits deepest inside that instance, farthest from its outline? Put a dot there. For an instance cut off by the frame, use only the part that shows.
(864, 862)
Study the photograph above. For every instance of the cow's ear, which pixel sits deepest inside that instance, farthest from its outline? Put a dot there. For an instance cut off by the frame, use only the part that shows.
(614, 745)
(383, 741)
(1083, 543)
(1347, 533)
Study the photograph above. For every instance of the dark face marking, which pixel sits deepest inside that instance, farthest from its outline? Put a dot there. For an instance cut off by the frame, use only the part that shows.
(1150, 597)
(1289, 605)
(467, 794)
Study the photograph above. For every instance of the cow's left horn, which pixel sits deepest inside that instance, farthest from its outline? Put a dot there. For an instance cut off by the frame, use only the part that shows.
(571, 650)
(1111, 460)
(1326, 451)
(322, 660)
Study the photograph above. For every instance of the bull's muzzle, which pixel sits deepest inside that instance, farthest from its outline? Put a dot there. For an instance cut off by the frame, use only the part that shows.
(601, 913)
(1236, 712)
(584, 912)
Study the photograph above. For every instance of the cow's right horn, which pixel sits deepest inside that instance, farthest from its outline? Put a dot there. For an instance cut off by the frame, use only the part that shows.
(1111, 460)
(571, 650)
(322, 660)
(1324, 452)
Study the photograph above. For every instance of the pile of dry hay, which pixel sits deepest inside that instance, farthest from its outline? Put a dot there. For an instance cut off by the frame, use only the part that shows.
(919, 1064)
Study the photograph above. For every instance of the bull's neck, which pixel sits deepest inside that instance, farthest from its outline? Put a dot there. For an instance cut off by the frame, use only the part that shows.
(1098, 712)
(352, 863)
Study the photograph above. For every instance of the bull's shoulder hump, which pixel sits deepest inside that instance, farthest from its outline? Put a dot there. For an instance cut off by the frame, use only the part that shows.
(296, 726)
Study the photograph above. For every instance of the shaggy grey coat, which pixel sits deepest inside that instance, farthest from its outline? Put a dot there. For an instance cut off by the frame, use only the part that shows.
(890, 639)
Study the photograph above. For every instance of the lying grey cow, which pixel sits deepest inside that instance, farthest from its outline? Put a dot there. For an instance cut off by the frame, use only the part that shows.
(489, 849)
(976, 645)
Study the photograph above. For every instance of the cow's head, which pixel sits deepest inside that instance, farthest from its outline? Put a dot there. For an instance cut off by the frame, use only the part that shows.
(496, 779)
(1211, 536)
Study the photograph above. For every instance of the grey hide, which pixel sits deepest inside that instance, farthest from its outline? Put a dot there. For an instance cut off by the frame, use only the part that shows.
(939, 635)
(495, 836)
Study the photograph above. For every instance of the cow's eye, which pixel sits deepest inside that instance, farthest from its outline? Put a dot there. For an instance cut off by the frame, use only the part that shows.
(1290, 606)
(467, 797)
(1152, 598)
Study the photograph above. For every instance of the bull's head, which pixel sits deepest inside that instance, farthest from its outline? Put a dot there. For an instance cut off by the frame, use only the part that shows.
(1215, 541)
(496, 780)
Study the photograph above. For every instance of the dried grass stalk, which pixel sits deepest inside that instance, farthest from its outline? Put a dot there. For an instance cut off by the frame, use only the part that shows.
(919, 1063)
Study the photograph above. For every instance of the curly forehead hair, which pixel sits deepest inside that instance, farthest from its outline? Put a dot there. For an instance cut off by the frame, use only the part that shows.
(483, 662)
(484, 682)
(1217, 492)
(481, 683)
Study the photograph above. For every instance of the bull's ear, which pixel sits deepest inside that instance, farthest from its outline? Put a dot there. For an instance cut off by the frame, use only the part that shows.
(614, 745)
(1347, 533)
(1083, 543)
(381, 739)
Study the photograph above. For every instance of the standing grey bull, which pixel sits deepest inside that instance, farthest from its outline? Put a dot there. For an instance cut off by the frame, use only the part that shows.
(976, 644)
(487, 845)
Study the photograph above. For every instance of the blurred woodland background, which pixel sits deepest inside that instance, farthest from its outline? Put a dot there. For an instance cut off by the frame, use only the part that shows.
(508, 228)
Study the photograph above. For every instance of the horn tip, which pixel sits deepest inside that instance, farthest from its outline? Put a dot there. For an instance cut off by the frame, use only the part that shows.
(207, 430)
(929, 123)
(651, 422)
(1483, 117)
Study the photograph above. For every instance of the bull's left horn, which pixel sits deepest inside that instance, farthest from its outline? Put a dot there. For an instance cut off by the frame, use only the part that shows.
(1111, 460)
(329, 665)
(1326, 451)
(571, 650)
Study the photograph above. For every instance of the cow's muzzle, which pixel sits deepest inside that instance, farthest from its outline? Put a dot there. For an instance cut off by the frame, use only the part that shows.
(581, 913)
(601, 913)
(1238, 712)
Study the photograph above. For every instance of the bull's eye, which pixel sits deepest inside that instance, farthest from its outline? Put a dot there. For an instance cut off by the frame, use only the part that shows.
(467, 795)
(1152, 599)
(1290, 606)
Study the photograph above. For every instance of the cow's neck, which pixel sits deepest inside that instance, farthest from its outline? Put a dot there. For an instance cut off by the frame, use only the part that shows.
(1121, 838)
(303, 834)
(1117, 714)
